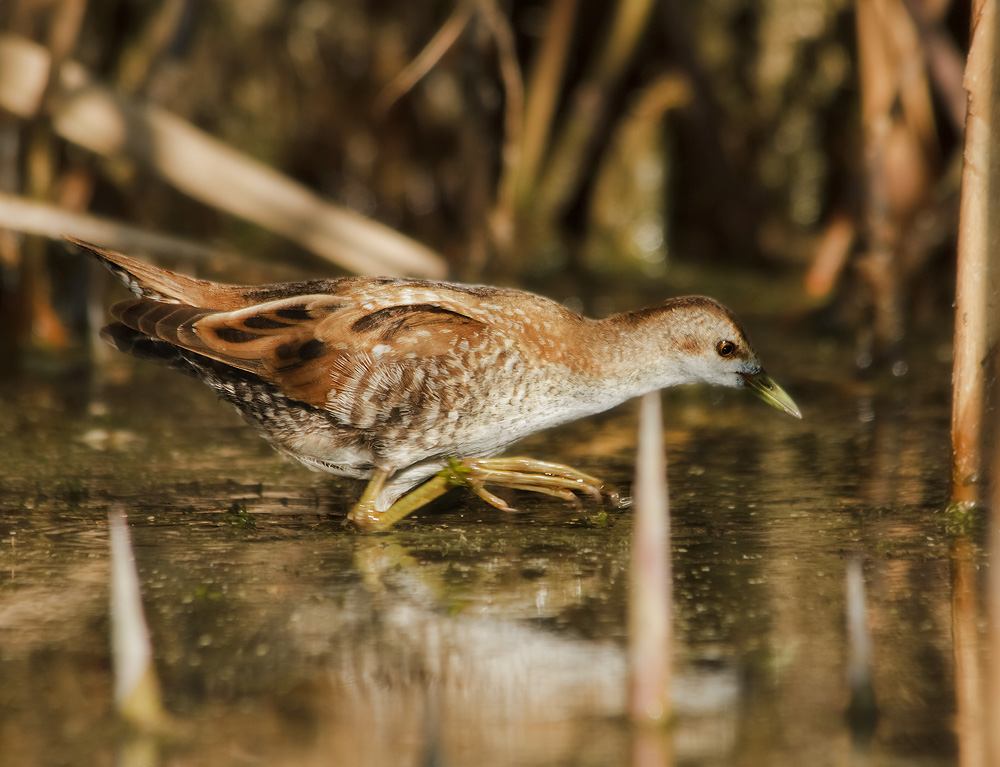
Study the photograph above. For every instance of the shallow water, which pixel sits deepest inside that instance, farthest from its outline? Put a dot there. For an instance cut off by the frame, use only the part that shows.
(469, 635)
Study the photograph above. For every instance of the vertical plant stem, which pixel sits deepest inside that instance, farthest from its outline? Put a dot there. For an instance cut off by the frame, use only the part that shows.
(626, 29)
(137, 690)
(992, 716)
(567, 160)
(432, 53)
(977, 244)
(863, 708)
(650, 578)
(944, 61)
(144, 51)
(652, 748)
(542, 96)
(969, 714)
(878, 64)
(41, 319)
(502, 218)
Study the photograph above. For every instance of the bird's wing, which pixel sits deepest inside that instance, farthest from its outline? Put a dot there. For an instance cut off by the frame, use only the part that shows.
(313, 348)
(147, 281)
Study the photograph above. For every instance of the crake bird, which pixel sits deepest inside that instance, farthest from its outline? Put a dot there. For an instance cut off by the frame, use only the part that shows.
(415, 386)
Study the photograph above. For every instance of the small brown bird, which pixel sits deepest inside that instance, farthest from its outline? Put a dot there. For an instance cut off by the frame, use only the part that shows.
(402, 382)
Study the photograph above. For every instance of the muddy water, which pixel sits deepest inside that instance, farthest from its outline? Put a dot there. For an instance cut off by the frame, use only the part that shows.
(471, 636)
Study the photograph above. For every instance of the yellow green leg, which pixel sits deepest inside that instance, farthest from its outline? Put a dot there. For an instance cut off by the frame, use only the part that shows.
(367, 517)
(516, 473)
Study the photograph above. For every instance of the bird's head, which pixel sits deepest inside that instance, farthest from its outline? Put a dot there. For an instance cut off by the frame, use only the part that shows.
(706, 344)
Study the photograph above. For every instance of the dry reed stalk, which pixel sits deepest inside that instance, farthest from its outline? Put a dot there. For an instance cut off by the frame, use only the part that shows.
(502, 219)
(969, 684)
(944, 60)
(19, 214)
(145, 50)
(993, 598)
(975, 290)
(652, 748)
(831, 255)
(442, 41)
(900, 152)
(544, 87)
(41, 150)
(136, 688)
(566, 162)
(877, 67)
(650, 628)
(92, 116)
(863, 707)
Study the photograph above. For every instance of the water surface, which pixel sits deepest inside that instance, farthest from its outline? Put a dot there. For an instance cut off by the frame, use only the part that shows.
(468, 635)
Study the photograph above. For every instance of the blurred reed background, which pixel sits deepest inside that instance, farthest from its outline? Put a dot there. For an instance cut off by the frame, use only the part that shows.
(559, 145)
(550, 144)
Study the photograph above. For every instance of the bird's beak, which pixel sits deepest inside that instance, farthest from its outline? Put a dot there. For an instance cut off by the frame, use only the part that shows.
(763, 386)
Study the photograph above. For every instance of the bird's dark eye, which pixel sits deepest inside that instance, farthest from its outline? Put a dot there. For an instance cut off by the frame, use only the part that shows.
(725, 348)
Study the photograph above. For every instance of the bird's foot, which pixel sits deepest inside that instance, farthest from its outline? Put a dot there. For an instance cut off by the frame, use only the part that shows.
(529, 474)
(366, 516)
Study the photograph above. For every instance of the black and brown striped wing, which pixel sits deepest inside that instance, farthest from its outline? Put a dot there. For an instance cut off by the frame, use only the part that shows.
(311, 347)
(273, 340)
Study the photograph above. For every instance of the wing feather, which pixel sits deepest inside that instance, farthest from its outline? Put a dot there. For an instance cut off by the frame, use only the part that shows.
(324, 350)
